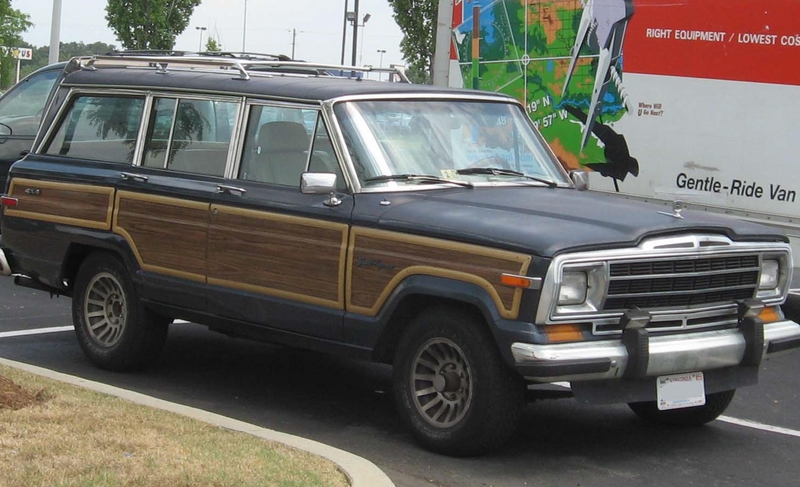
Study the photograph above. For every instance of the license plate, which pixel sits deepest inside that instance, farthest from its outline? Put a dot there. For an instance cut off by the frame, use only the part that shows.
(680, 391)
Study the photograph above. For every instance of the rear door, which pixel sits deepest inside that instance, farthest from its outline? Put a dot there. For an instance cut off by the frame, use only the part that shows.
(163, 203)
(276, 256)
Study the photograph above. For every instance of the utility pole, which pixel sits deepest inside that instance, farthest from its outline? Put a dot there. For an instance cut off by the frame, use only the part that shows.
(344, 32)
(294, 37)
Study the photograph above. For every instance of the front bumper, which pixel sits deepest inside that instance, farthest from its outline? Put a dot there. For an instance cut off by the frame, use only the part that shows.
(654, 355)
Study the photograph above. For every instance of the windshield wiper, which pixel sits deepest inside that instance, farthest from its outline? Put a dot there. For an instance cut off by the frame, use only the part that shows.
(496, 171)
(423, 178)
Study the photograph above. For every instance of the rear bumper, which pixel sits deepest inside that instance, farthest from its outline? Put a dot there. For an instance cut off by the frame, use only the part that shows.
(654, 356)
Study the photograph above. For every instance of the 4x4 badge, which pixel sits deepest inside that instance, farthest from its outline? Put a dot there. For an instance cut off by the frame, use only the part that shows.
(33, 191)
(677, 208)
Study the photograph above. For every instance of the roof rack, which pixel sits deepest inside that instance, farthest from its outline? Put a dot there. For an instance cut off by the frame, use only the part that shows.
(243, 63)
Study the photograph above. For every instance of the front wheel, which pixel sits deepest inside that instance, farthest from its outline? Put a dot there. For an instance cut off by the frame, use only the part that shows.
(715, 405)
(113, 328)
(451, 386)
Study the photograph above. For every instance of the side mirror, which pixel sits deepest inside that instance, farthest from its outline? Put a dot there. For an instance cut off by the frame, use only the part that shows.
(580, 179)
(320, 183)
(5, 130)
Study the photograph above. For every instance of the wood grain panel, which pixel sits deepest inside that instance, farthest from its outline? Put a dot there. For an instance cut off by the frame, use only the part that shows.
(279, 255)
(168, 235)
(379, 260)
(72, 204)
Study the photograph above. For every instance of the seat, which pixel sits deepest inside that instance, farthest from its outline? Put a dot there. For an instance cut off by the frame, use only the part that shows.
(281, 154)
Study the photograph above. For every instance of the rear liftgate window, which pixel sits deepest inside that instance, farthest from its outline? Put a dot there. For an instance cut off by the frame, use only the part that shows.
(100, 128)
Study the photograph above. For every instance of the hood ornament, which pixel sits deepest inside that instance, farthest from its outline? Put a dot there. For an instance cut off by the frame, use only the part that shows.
(677, 208)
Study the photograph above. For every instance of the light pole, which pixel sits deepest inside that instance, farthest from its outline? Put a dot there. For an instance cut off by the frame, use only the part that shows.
(363, 26)
(244, 27)
(201, 29)
(380, 65)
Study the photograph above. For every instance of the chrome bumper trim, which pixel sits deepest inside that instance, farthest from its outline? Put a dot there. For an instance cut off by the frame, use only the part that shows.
(669, 354)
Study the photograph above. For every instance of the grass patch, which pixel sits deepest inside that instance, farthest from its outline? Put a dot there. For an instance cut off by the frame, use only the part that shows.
(66, 436)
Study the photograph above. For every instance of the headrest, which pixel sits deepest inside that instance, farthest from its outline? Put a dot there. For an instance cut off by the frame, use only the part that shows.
(283, 136)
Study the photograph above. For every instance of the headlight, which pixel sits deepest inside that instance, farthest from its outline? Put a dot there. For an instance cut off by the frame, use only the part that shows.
(770, 273)
(573, 288)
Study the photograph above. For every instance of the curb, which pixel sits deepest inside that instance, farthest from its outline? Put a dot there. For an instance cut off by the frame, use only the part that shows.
(359, 471)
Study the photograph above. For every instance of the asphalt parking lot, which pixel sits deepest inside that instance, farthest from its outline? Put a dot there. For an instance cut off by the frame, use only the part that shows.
(348, 405)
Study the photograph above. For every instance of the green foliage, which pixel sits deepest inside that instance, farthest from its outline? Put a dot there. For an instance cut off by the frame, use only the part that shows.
(149, 24)
(212, 45)
(67, 51)
(417, 20)
(12, 24)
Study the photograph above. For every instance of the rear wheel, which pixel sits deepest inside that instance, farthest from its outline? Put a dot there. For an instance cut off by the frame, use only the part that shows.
(451, 386)
(715, 405)
(114, 330)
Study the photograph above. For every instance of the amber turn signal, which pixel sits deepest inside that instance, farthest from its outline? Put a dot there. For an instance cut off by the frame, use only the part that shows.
(769, 315)
(563, 333)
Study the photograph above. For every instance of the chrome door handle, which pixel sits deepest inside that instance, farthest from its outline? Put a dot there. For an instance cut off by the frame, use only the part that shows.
(136, 177)
(224, 188)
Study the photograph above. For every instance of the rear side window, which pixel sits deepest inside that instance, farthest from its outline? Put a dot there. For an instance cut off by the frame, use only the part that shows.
(189, 135)
(101, 128)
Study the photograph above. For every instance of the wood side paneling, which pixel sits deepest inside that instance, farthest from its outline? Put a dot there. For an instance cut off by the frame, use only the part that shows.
(380, 260)
(168, 235)
(279, 255)
(72, 204)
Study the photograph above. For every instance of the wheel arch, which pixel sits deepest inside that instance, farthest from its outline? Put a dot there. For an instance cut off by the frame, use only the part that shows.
(78, 251)
(418, 293)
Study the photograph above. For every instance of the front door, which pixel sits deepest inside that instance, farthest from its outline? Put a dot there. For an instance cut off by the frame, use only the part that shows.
(276, 256)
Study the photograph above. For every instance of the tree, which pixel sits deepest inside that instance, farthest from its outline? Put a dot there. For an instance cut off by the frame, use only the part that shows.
(149, 24)
(417, 20)
(212, 45)
(12, 24)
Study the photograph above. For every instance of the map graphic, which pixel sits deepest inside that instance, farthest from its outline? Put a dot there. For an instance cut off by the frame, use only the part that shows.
(524, 48)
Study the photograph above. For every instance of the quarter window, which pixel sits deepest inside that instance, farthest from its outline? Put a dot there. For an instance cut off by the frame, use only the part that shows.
(102, 128)
(190, 135)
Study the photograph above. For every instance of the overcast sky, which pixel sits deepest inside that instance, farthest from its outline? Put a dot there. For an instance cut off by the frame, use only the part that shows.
(269, 23)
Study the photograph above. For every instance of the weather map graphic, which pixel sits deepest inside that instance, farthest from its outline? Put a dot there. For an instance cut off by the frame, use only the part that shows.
(563, 60)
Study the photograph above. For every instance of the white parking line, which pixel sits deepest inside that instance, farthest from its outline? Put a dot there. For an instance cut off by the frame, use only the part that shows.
(36, 331)
(726, 419)
(796, 292)
(759, 426)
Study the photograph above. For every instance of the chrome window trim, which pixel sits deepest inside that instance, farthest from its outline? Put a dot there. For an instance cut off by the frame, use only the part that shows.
(546, 313)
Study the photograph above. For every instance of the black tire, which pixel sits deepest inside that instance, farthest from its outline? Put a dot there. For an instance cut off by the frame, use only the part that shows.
(715, 405)
(114, 329)
(474, 401)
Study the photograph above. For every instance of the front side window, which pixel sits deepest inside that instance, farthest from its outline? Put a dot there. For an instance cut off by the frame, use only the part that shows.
(277, 144)
(189, 135)
(471, 141)
(101, 128)
(22, 108)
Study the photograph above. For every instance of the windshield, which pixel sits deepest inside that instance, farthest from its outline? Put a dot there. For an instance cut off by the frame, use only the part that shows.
(473, 141)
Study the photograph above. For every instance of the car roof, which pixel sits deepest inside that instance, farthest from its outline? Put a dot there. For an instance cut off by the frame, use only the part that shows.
(294, 81)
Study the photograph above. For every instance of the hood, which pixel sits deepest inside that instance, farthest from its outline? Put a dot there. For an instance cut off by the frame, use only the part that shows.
(542, 221)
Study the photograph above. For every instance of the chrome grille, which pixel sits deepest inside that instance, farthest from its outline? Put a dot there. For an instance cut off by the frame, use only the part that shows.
(681, 283)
